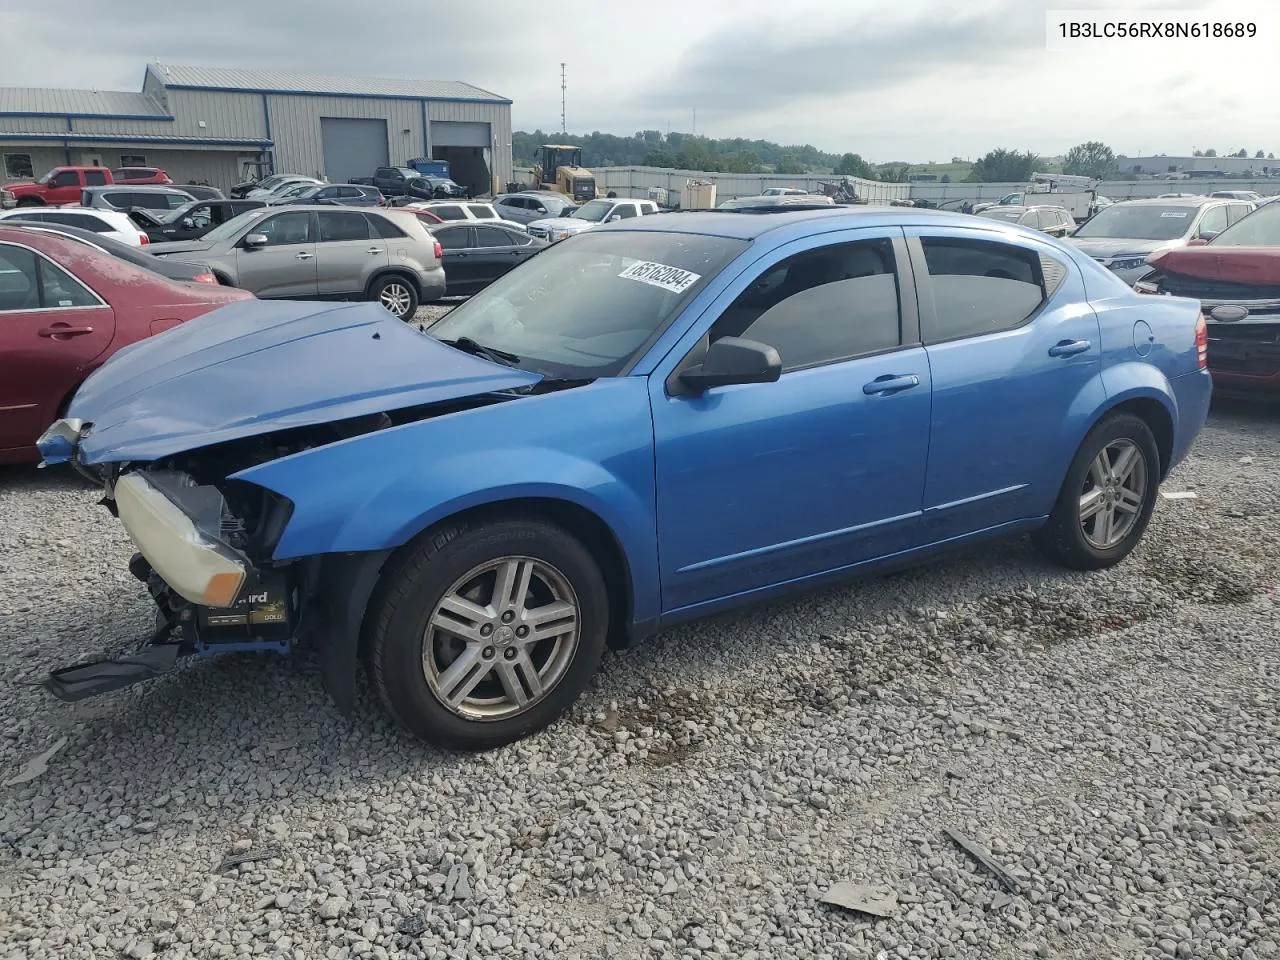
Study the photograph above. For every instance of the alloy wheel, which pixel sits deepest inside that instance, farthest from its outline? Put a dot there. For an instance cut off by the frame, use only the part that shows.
(396, 298)
(501, 638)
(1114, 491)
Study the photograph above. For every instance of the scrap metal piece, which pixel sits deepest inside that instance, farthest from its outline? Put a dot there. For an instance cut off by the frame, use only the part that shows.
(1178, 494)
(249, 856)
(36, 766)
(983, 858)
(874, 900)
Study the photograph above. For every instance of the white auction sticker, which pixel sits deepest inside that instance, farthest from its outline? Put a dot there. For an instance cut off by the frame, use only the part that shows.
(1175, 214)
(661, 275)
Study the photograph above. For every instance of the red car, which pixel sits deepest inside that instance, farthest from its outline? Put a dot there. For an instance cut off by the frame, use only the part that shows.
(64, 309)
(140, 175)
(1236, 278)
(60, 185)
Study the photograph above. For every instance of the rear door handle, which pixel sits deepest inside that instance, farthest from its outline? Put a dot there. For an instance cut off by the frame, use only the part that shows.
(890, 383)
(375, 249)
(305, 256)
(1069, 348)
(63, 330)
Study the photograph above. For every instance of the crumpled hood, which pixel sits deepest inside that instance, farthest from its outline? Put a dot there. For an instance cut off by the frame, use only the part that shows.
(258, 366)
(1248, 265)
(1098, 248)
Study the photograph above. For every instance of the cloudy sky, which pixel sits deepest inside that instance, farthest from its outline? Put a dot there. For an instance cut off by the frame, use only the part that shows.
(913, 80)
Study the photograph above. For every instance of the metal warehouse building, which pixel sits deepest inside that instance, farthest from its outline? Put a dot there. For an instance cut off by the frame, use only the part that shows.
(216, 126)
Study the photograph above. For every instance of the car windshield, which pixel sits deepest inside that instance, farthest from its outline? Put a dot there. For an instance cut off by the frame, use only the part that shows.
(1013, 214)
(232, 227)
(1259, 229)
(1131, 221)
(587, 306)
(594, 210)
(47, 177)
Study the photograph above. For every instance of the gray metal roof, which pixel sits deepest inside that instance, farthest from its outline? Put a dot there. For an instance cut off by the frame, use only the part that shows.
(293, 81)
(52, 101)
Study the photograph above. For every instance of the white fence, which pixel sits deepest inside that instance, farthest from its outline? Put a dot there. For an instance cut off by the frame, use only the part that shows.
(636, 182)
(1114, 189)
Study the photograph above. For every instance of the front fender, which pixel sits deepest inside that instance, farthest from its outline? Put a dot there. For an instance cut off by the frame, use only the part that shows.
(590, 446)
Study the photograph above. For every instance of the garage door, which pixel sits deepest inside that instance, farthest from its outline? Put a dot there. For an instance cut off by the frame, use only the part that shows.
(352, 148)
(452, 133)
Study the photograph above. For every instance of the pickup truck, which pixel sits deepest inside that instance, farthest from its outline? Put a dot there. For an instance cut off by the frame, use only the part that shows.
(60, 185)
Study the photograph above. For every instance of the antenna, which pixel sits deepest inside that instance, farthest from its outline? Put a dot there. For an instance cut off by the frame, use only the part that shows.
(563, 128)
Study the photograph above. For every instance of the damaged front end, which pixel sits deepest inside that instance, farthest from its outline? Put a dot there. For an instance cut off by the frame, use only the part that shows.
(205, 542)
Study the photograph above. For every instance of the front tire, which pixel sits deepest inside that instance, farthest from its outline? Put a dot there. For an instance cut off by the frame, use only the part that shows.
(1107, 498)
(483, 634)
(397, 294)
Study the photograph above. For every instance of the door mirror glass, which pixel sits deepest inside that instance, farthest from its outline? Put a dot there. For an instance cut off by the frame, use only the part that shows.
(255, 240)
(732, 360)
(1206, 235)
(616, 216)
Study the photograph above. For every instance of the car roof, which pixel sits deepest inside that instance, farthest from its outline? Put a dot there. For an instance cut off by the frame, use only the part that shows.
(749, 225)
(137, 188)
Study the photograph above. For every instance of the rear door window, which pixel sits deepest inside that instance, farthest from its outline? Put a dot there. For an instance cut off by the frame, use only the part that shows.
(454, 238)
(492, 237)
(384, 228)
(449, 211)
(335, 226)
(482, 212)
(981, 287)
(95, 178)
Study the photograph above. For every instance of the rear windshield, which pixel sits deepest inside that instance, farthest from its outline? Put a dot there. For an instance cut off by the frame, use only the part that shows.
(996, 213)
(1259, 229)
(1126, 221)
(587, 306)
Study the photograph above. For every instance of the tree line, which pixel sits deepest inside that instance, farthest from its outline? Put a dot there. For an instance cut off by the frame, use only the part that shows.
(686, 151)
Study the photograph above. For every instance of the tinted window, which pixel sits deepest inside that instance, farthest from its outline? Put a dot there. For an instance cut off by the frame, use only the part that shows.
(84, 221)
(60, 289)
(348, 192)
(240, 206)
(95, 178)
(343, 226)
(286, 228)
(482, 212)
(493, 237)
(821, 305)
(117, 198)
(66, 178)
(384, 228)
(520, 203)
(980, 287)
(1214, 220)
(449, 211)
(19, 288)
(453, 238)
(623, 210)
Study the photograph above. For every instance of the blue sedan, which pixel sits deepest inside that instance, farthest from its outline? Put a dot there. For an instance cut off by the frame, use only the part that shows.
(650, 422)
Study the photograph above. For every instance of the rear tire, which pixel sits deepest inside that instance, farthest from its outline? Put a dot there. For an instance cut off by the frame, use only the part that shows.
(483, 634)
(1107, 498)
(397, 294)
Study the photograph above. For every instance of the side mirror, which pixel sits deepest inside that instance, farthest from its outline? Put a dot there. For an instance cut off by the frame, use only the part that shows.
(616, 216)
(255, 240)
(732, 360)
(1201, 241)
(1204, 236)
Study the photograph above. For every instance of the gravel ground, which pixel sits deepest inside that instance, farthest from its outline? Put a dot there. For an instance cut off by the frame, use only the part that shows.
(1113, 739)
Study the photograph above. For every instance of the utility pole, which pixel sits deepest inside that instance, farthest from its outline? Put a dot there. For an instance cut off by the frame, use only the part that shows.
(563, 128)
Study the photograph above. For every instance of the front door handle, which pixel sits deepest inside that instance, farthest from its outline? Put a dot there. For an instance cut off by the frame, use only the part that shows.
(890, 383)
(1069, 348)
(305, 256)
(56, 330)
(375, 249)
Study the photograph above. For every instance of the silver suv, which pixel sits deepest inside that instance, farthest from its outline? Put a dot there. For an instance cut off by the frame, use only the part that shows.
(323, 253)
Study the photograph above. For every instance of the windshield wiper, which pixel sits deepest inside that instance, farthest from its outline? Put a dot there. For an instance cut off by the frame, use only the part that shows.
(467, 345)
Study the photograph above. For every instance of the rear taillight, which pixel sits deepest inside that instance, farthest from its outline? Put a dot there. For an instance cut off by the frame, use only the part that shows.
(143, 239)
(205, 278)
(439, 250)
(1202, 342)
